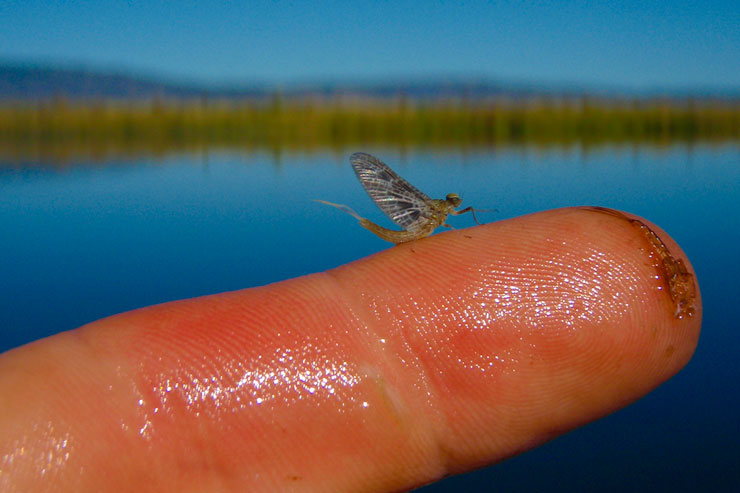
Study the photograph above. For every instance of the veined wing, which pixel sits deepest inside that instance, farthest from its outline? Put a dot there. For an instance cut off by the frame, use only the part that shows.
(406, 205)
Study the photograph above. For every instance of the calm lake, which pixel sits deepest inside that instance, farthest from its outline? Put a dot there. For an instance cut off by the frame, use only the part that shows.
(86, 238)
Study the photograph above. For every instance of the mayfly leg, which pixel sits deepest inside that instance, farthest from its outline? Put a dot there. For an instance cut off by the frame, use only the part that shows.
(468, 209)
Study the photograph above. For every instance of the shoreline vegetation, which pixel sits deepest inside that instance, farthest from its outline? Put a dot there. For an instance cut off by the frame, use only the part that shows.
(62, 129)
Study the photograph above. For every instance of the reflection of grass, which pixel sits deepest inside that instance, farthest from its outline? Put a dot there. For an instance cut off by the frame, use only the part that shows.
(103, 127)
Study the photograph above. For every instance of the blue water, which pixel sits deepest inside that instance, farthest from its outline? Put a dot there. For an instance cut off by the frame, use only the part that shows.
(89, 239)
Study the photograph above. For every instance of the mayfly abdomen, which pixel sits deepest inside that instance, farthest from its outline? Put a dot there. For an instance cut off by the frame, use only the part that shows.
(396, 237)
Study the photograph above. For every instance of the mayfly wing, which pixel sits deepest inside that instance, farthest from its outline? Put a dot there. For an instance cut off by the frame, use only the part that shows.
(406, 205)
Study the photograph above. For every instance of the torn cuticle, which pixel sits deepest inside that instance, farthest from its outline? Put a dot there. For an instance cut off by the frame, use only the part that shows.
(679, 281)
(681, 285)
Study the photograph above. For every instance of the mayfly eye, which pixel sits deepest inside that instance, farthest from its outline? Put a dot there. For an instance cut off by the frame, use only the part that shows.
(454, 199)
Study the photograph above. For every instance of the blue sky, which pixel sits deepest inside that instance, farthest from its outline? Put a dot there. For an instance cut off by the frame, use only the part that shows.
(627, 44)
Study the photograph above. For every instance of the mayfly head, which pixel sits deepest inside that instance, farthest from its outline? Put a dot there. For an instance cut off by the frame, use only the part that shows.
(454, 200)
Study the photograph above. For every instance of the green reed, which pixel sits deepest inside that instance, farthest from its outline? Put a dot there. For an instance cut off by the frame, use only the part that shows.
(163, 126)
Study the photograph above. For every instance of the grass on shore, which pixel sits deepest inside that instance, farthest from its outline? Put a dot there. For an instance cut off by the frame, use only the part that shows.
(159, 126)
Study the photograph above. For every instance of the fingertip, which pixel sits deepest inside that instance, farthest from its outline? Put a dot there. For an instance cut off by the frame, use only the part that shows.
(528, 327)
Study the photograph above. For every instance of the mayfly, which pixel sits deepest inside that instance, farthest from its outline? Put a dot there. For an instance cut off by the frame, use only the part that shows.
(402, 202)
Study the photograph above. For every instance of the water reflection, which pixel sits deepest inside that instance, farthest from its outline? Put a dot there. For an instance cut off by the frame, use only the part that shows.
(97, 154)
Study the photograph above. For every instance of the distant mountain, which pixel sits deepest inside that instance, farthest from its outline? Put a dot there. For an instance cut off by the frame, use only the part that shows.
(40, 83)
(29, 82)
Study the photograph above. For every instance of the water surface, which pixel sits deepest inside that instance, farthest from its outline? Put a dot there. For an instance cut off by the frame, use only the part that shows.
(88, 239)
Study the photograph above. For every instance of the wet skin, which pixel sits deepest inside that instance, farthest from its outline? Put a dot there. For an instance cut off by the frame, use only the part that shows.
(430, 358)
